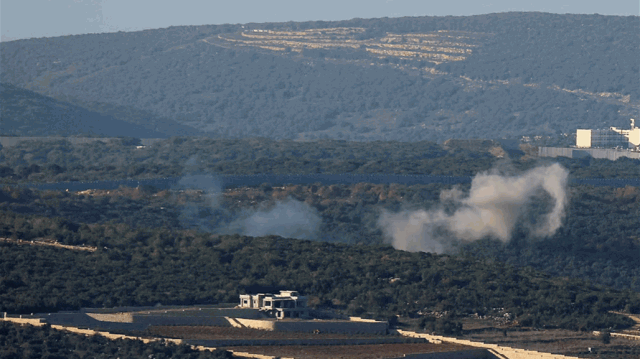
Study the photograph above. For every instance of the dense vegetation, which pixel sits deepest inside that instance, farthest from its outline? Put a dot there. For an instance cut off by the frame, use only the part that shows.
(26, 113)
(26, 341)
(598, 241)
(512, 83)
(151, 241)
(150, 266)
(40, 161)
(525, 74)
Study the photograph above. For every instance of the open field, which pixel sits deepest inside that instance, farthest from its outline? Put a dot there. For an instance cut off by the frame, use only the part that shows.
(211, 333)
(497, 329)
(375, 351)
(559, 341)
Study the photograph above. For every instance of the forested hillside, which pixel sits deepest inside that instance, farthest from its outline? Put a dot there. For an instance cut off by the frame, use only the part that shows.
(408, 79)
(150, 266)
(214, 243)
(56, 161)
(598, 240)
(26, 113)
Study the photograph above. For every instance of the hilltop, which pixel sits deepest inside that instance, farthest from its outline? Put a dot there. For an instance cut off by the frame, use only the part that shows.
(407, 79)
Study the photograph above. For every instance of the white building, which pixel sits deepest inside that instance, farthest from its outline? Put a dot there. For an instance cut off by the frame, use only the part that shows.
(287, 304)
(609, 138)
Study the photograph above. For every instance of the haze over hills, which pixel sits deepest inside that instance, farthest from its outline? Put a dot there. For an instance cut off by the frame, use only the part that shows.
(27, 113)
(408, 79)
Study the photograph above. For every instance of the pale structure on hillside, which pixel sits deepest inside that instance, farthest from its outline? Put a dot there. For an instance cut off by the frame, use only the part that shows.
(609, 138)
(287, 304)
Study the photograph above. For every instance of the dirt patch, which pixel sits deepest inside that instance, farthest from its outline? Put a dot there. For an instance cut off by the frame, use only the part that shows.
(213, 333)
(374, 351)
(559, 341)
(49, 243)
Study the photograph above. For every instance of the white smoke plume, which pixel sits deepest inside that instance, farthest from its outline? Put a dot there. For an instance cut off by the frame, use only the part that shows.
(493, 207)
(208, 184)
(289, 218)
(199, 214)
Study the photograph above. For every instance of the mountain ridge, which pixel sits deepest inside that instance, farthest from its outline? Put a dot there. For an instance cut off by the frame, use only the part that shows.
(409, 79)
(46, 116)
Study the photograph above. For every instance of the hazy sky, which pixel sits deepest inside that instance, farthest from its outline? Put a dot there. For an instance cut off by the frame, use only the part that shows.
(21, 19)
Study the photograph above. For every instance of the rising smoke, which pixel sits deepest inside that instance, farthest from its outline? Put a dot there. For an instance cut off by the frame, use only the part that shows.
(207, 212)
(493, 207)
(289, 218)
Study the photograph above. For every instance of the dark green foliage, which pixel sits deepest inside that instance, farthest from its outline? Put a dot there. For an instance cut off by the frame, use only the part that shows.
(173, 157)
(446, 325)
(179, 75)
(145, 267)
(26, 341)
(599, 240)
(46, 116)
(56, 161)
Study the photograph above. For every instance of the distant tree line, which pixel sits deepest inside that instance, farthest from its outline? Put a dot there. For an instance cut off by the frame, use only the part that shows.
(57, 161)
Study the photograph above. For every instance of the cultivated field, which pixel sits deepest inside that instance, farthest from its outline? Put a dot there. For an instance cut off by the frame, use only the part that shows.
(375, 351)
(212, 333)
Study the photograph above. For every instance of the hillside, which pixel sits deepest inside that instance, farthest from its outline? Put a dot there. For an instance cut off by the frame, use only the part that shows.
(150, 266)
(58, 161)
(407, 79)
(598, 240)
(27, 113)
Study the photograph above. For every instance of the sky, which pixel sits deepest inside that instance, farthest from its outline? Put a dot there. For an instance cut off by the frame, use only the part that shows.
(20, 19)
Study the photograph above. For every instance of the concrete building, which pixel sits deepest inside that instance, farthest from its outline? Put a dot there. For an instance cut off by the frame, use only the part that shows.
(287, 304)
(609, 138)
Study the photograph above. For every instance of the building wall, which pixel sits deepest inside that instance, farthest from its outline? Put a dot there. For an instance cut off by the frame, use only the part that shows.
(634, 136)
(459, 354)
(186, 320)
(254, 323)
(262, 342)
(112, 317)
(327, 326)
(490, 351)
(583, 138)
(204, 312)
(140, 321)
(310, 326)
(610, 154)
(608, 138)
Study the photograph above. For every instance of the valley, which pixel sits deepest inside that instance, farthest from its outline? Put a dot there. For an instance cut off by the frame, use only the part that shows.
(391, 170)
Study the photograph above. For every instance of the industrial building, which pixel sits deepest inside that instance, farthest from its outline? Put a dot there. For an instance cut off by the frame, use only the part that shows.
(609, 138)
(287, 304)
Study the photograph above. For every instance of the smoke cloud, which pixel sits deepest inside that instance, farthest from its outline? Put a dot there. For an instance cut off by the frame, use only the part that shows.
(210, 186)
(208, 211)
(493, 207)
(289, 218)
